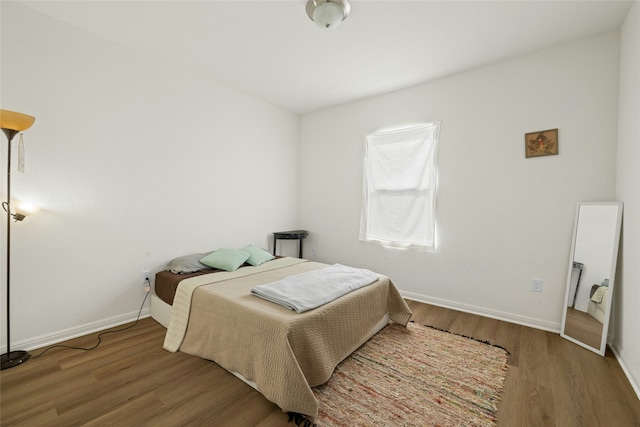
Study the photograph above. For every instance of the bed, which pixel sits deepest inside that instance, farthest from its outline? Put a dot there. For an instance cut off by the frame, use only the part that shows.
(281, 353)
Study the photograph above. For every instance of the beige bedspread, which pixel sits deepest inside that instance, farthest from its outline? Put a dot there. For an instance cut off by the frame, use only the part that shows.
(285, 353)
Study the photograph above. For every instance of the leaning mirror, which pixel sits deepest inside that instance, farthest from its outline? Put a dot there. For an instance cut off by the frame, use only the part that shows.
(592, 269)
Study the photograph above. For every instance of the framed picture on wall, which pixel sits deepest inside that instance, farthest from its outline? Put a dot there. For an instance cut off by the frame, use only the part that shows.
(541, 143)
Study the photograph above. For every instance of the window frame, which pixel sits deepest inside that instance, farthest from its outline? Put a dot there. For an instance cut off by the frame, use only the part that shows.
(429, 243)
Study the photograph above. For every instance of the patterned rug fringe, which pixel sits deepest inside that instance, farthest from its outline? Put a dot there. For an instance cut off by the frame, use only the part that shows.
(300, 420)
(468, 337)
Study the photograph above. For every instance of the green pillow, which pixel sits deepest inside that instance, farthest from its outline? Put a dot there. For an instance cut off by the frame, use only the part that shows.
(225, 259)
(257, 255)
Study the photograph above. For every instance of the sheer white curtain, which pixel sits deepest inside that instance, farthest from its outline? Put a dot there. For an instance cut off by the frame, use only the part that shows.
(399, 188)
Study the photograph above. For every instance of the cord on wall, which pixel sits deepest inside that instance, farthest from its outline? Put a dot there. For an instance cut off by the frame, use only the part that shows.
(99, 335)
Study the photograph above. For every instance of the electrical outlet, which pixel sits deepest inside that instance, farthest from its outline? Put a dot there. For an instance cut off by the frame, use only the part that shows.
(536, 285)
(146, 277)
(314, 251)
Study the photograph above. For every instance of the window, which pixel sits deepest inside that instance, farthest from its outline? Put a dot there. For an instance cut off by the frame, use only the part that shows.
(399, 187)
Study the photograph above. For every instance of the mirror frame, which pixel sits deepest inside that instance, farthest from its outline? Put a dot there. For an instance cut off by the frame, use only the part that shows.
(614, 259)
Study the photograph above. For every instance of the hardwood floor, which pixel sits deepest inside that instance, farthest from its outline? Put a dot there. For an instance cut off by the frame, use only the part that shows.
(583, 327)
(131, 381)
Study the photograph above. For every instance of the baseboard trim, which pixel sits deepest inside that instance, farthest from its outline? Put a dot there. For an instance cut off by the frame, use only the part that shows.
(70, 333)
(627, 368)
(481, 311)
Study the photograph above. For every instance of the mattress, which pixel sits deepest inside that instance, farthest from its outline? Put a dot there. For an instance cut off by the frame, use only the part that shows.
(166, 283)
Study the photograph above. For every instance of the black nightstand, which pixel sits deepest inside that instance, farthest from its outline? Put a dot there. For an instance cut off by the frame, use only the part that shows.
(290, 235)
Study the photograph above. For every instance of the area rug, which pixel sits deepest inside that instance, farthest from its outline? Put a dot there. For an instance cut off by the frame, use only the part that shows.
(413, 376)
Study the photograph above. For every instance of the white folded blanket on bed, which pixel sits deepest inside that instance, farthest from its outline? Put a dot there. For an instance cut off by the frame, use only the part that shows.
(305, 291)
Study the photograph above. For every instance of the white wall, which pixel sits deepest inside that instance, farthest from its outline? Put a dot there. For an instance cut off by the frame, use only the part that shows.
(627, 292)
(133, 162)
(502, 219)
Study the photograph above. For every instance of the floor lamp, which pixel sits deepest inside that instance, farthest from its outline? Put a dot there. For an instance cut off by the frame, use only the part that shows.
(12, 123)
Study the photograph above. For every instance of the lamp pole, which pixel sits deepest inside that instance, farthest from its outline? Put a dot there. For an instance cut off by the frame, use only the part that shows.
(11, 123)
(10, 358)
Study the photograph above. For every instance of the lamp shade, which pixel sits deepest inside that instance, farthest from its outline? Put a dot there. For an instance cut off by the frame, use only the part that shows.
(328, 13)
(25, 208)
(15, 121)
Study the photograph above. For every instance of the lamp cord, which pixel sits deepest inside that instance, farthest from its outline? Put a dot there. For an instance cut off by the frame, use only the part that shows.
(99, 335)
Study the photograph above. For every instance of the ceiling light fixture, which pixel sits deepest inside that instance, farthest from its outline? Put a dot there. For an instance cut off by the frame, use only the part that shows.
(328, 13)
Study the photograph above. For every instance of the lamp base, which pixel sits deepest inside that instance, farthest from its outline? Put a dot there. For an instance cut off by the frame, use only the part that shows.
(15, 358)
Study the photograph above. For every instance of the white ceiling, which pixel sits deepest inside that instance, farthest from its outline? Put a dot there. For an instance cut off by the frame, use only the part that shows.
(271, 50)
